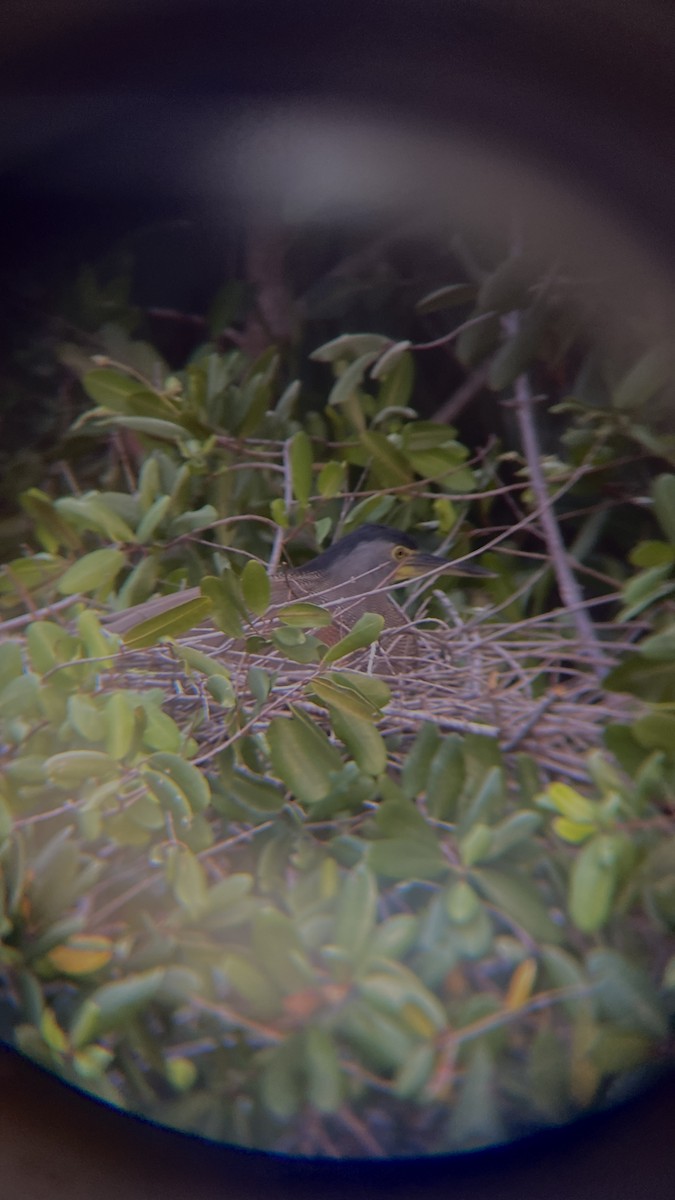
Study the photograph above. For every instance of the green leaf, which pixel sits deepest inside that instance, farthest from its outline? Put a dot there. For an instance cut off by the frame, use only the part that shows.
(189, 778)
(22, 697)
(73, 767)
(562, 798)
(351, 345)
(628, 996)
(260, 683)
(120, 721)
(277, 948)
(280, 1090)
(49, 645)
(341, 699)
(279, 512)
(149, 482)
(302, 757)
(255, 586)
(486, 801)
(653, 681)
(170, 795)
(442, 464)
(153, 427)
(518, 899)
(171, 623)
(475, 1120)
(396, 388)
(660, 646)
(388, 362)
(97, 572)
(11, 662)
(418, 761)
(97, 514)
(86, 718)
(111, 1006)
(152, 519)
(366, 631)
(512, 832)
(345, 391)
(255, 794)
(199, 661)
(407, 848)
(452, 296)
(663, 494)
(356, 911)
(645, 589)
(652, 553)
(255, 988)
(593, 882)
(227, 602)
(301, 460)
(111, 389)
(574, 832)
(187, 880)
(446, 778)
(193, 520)
(476, 845)
(374, 691)
(655, 731)
(161, 732)
(97, 644)
(304, 615)
(362, 739)
(400, 993)
(331, 479)
(52, 529)
(324, 1074)
(462, 903)
(389, 466)
(393, 938)
(415, 1073)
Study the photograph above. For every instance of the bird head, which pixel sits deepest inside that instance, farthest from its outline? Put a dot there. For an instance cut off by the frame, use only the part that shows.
(377, 555)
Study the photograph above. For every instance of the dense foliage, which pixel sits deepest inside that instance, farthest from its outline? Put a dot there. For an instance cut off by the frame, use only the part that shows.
(270, 895)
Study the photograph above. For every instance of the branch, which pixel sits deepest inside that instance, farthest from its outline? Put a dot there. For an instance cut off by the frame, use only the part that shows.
(570, 592)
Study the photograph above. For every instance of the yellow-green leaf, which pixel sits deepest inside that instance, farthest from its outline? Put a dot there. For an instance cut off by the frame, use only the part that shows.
(304, 616)
(179, 619)
(366, 631)
(255, 586)
(82, 954)
(97, 571)
(302, 757)
(301, 460)
(364, 742)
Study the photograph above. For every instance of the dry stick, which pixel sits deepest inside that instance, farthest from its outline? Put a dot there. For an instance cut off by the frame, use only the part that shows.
(569, 589)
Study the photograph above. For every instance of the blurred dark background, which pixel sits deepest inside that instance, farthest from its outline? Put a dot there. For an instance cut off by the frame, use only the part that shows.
(109, 114)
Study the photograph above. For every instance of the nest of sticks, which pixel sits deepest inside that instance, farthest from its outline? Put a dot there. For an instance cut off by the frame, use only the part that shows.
(534, 686)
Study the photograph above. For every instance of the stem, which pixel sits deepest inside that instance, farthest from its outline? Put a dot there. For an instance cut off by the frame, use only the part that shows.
(570, 592)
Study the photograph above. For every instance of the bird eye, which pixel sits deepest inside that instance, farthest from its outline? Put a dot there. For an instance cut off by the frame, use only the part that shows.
(399, 552)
